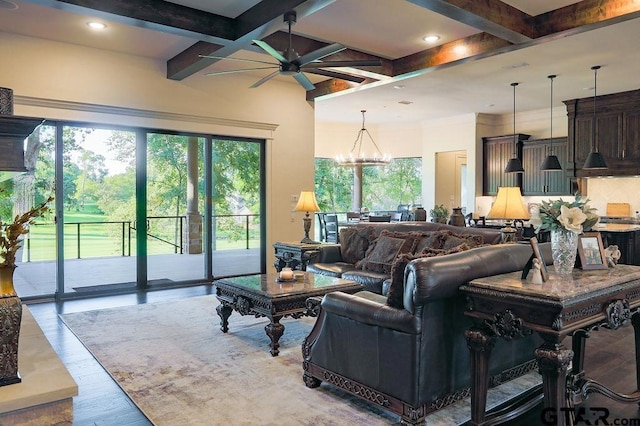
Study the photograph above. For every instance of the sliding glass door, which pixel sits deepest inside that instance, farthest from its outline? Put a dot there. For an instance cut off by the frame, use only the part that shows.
(99, 209)
(237, 212)
(196, 202)
(175, 201)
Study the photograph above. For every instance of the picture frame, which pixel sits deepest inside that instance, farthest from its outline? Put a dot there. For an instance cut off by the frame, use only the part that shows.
(591, 251)
(538, 255)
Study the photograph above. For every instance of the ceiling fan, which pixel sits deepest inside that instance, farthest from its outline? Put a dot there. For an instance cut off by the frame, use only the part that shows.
(290, 63)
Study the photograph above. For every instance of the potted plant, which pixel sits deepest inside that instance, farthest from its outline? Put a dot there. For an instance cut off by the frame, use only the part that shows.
(439, 213)
(11, 314)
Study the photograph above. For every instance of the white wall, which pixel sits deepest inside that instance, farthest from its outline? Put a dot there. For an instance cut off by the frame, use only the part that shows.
(70, 82)
(397, 140)
(450, 134)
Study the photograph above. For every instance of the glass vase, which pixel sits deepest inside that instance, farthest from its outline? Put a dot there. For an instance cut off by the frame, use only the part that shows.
(564, 246)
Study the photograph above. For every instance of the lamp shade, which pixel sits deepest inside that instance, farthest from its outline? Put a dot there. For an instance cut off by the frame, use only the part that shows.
(509, 204)
(307, 202)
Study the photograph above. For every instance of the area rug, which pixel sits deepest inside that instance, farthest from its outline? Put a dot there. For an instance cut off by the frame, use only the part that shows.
(178, 367)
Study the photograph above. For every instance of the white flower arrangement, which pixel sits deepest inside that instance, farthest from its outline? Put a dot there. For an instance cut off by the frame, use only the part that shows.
(575, 216)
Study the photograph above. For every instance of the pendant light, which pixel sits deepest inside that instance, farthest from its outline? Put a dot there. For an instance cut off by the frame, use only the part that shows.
(357, 156)
(514, 165)
(551, 162)
(595, 160)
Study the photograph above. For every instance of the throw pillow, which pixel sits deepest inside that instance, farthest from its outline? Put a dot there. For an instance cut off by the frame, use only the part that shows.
(383, 251)
(453, 240)
(433, 239)
(354, 242)
(396, 289)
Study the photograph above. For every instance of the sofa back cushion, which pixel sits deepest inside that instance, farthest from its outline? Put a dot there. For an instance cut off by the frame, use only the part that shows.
(354, 242)
(453, 239)
(384, 249)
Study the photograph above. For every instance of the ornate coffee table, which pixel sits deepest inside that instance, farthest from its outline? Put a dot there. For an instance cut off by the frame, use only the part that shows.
(264, 296)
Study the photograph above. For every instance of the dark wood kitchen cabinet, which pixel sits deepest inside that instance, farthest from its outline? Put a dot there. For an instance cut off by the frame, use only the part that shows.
(534, 180)
(497, 150)
(628, 243)
(617, 133)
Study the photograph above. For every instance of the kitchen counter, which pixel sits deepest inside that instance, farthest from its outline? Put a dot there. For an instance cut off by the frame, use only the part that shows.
(616, 227)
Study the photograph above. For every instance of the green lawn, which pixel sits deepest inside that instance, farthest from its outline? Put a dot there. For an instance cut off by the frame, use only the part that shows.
(104, 239)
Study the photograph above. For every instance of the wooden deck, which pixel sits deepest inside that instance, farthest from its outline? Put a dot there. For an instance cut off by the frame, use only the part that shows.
(35, 279)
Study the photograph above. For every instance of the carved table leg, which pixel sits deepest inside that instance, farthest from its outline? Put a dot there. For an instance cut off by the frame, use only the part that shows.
(224, 311)
(274, 330)
(635, 321)
(480, 345)
(553, 363)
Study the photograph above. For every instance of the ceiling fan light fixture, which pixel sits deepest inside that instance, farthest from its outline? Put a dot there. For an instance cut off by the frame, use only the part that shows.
(595, 160)
(515, 164)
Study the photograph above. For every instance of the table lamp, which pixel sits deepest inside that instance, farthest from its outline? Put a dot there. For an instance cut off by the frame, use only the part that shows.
(509, 205)
(307, 203)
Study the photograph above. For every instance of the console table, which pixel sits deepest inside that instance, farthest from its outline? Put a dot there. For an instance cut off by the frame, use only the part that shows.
(294, 255)
(504, 306)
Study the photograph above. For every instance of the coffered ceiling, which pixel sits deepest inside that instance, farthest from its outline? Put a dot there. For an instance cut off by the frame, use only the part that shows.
(483, 46)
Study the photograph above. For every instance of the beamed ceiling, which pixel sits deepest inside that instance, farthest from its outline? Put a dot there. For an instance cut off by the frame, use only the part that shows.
(388, 30)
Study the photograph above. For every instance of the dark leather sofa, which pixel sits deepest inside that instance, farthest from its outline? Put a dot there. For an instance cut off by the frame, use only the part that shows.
(330, 260)
(414, 360)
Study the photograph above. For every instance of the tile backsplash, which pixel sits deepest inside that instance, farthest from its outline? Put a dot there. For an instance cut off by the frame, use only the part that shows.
(614, 190)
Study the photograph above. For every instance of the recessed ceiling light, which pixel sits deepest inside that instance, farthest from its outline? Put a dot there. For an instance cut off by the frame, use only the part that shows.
(96, 25)
(405, 102)
(431, 38)
(398, 86)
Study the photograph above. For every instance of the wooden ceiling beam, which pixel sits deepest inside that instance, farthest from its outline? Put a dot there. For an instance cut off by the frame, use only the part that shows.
(490, 16)
(475, 45)
(583, 16)
(158, 15)
(256, 23)
(587, 14)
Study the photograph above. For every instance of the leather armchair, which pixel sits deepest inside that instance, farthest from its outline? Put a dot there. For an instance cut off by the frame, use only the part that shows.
(414, 360)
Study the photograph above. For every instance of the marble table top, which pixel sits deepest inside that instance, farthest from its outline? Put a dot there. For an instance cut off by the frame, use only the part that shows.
(563, 289)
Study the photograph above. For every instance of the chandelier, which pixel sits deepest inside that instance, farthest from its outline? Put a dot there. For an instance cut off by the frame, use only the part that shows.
(357, 156)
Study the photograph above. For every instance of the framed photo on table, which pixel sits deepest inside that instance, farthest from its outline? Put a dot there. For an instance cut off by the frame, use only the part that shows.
(591, 251)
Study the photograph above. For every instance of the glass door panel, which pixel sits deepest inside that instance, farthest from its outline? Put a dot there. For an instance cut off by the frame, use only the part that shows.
(236, 224)
(99, 209)
(175, 201)
(35, 274)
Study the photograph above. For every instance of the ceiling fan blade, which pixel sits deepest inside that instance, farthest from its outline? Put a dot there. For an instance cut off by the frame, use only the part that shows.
(239, 71)
(226, 58)
(328, 64)
(264, 79)
(321, 53)
(333, 74)
(270, 50)
(304, 81)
